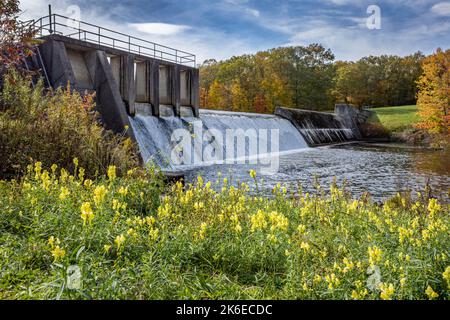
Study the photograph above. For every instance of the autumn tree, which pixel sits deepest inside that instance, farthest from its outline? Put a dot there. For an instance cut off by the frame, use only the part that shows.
(433, 97)
(16, 38)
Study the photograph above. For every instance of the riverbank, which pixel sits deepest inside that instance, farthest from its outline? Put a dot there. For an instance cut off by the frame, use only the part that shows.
(396, 124)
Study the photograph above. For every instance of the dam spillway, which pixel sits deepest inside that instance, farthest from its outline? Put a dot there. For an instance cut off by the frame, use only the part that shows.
(258, 137)
(154, 91)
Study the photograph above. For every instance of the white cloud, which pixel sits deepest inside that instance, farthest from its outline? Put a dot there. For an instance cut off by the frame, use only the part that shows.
(442, 9)
(253, 12)
(163, 29)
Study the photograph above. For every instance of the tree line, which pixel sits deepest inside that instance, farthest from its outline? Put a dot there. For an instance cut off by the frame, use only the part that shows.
(307, 78)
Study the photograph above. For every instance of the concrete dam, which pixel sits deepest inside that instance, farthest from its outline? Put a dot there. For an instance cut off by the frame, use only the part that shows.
(154, 91)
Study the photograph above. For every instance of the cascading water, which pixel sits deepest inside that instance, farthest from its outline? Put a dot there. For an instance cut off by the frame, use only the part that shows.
(214, 137)
(316, 136)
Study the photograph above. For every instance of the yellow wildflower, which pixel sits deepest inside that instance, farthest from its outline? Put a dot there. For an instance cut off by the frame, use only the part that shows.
(375, 255)
(86, 213)
(64, 193)
(301, 228)
(99, 194)
(434, 207)
(119, 241)
(58, 253)
(258, 221)
(431, 293)
(87, 183)
(107, 247)
(153, 233)
(278, 221)
(446, 276)
(202, 231)
(253, 174)
(305, 246)
(387, 290)
(112, 173)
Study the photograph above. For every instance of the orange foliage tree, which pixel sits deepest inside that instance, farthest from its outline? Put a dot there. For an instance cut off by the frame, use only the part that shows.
(433, 97)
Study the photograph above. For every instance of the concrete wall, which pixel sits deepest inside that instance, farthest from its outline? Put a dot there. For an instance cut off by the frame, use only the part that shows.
(165, 94)
(81, 73)
(173, 84)
(109, 100)
(319, 127)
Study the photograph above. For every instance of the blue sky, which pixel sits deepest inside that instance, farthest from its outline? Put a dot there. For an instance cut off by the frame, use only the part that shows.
(222, 28)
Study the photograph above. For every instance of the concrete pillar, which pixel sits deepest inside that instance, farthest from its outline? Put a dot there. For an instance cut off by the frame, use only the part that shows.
(153, 77)
(123, 72)
(185, 88)
(129, 85)
(109, 102)
(195, 91)
(165, 88)
(175, 84)
(57, 63)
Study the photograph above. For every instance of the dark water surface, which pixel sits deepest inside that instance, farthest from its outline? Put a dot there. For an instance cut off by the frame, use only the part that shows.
(380, 169)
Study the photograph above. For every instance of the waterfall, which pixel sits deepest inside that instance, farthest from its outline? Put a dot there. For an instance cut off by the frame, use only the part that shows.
(336, 132)
(210, 137)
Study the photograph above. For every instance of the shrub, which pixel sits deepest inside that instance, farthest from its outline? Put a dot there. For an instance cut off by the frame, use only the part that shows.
(55, 127)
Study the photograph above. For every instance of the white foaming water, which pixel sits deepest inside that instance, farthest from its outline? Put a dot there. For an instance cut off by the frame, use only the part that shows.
(156, 142)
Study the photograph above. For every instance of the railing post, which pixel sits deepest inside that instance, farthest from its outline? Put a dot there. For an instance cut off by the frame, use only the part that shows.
(99, 31)
(50, 17)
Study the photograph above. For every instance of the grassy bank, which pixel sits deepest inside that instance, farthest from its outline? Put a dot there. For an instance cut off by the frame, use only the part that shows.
(396, 119)
(64, 236)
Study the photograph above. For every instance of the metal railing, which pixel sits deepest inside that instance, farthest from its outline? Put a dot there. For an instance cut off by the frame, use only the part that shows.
(68, 27)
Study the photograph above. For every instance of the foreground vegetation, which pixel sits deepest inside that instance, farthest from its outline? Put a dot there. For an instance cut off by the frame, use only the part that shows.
(54, 127)
(115, 238)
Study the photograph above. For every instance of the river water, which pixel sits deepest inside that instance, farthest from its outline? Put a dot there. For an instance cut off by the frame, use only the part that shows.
(380, 169)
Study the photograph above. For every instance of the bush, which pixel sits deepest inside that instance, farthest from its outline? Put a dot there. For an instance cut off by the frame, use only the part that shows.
(54, 128)
(114, 238)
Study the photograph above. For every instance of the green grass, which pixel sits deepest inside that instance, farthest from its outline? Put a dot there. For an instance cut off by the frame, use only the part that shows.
(397, 118)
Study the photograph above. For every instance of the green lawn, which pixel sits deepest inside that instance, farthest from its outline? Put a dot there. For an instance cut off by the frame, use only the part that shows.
(397, 118)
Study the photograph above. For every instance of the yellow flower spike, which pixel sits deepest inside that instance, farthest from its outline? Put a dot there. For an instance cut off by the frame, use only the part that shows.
(106, 248)
(446, 276)
(99, 194)
(305, 246)
(51, 241)
(202, 231)
(431, 293)
(112, 173)
(199, 181)
(301, 228)
(86, 213)
(317, 279)
(75, 162)
(119, 241)
(154, 233)
(433, 207)
(387, 291)
(402, 282)
(64, 193)
(253, 174)
(58, 253)
(375, 255)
